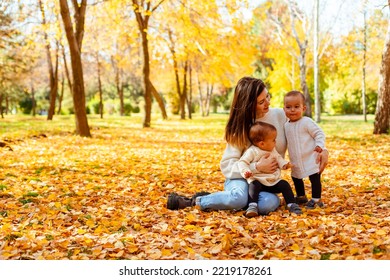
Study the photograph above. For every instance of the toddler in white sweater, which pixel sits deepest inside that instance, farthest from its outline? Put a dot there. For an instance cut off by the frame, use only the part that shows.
(305, 139)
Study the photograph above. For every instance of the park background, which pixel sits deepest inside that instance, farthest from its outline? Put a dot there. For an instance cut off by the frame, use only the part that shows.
(102, 119)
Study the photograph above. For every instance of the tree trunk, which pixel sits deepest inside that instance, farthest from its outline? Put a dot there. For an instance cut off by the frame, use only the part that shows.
(1, 105)
(305, 90)
(364, 61)
(67, 71)
(119, 86)
(382, 114)
(61, 97)
(143, 22)
(121, 98)
(148, 90)
(7, 110)
(53, 71)
(159, 100)
(301, 57)
(120, 93)
(99, 86)
(184, 92)
(53, 87)
(317, 99)
(208, 98)
(189, 97)
(178, 87)
(201, 101)
(75, 43)
(34, 103)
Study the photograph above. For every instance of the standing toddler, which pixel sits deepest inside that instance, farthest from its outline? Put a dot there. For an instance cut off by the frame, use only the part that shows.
(305, 139)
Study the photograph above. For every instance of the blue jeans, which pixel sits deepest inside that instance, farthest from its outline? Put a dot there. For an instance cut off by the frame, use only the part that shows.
(235, 197)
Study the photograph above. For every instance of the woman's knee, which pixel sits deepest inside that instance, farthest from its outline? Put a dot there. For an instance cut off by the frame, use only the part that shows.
(238, 193)
(239, 199)
(268, 202)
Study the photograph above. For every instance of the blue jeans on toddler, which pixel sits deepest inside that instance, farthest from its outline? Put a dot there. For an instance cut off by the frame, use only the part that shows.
(235, 197)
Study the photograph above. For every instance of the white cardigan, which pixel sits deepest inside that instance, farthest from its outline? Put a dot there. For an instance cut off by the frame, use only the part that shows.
(302, 137)
(231, 155)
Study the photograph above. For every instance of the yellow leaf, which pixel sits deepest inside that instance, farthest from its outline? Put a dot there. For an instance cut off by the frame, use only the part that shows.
(100, 229)
(354, 251)
(96, 251)
(117, 255)
(216, 249)
(119, 244)
(191, 227)
(5, 228)
(334, 257)
(315, 239)
(132, 248)
(339, 191)
(166, 252)
(295, 247)
(381, 232)
(90, 223)
(207, 229)
(136, 226)
(190, 217)
(190, 250)
(301, 224)
(63, 243)
(176, 246)
(310, 232)
(227, 242)
(88, 241)
(353, 190)
(53, 196)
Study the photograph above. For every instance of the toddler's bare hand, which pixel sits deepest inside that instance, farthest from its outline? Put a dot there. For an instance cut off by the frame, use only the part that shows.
(247, 174)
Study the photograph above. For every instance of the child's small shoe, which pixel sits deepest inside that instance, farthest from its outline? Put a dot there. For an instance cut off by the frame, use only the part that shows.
(294, 208)
(313, 204)
(252, 211)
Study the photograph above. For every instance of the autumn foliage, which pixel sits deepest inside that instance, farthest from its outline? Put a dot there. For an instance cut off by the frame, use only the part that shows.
(67, 197)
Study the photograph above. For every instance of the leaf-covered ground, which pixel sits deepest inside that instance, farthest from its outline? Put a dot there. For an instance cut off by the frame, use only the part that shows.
(67, 197)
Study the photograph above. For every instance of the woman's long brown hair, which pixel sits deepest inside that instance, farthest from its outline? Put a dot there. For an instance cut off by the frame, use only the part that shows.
(243, 111)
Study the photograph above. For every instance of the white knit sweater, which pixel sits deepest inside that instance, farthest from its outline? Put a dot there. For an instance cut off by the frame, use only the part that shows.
(302, 137)
(231, 155)
(252, 155)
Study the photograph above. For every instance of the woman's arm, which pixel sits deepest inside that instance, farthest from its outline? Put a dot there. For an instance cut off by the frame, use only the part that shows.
(229, 162)
(322, 159)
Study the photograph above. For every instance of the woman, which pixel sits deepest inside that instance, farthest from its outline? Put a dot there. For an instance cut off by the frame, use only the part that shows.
(250, 103)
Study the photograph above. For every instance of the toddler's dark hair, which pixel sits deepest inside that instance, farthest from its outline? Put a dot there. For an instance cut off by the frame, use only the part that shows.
(259, 131)
(296, 93)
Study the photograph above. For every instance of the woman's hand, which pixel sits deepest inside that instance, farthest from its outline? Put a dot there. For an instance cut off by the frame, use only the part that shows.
(267, 164)
(322, 159)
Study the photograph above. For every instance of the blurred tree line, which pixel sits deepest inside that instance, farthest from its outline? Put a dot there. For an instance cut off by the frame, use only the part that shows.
(183, 56)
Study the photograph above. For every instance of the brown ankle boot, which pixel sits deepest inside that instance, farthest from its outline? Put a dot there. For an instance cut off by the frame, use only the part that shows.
(176, 201)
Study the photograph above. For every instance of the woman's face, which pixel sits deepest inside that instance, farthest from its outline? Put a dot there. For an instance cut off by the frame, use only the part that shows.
(263, 101)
